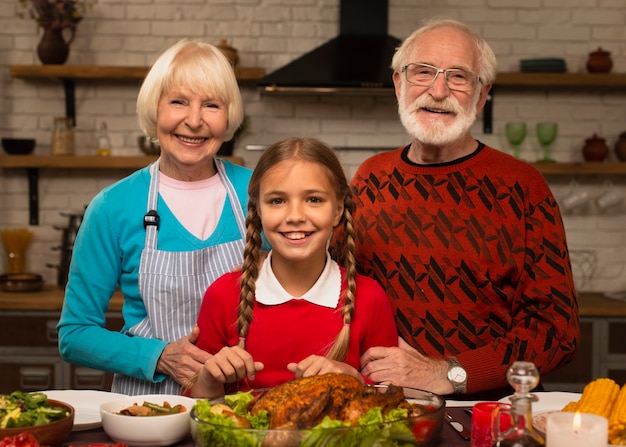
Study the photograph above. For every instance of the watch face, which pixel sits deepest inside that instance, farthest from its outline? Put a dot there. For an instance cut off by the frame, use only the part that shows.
(457, 374)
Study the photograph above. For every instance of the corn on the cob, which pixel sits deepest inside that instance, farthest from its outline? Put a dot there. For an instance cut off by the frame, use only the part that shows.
(598, 398)
(571, 406)
(617, 420)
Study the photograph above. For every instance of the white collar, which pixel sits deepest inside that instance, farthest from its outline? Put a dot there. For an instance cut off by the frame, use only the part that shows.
(325, 292)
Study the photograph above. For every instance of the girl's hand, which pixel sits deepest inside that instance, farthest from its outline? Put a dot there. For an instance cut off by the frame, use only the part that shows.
(231, 364)
(316, 364)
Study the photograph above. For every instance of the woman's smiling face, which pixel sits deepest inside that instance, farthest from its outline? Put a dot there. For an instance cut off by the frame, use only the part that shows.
(299, 209)
(190, 129)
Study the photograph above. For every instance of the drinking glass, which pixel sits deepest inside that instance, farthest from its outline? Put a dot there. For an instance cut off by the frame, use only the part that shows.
(515, 134)
(546, 134)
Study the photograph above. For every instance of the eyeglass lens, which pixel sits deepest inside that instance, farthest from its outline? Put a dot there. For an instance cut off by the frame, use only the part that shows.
(425, 75)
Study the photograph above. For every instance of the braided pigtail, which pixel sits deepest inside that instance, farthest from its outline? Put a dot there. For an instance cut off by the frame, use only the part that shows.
(249, 272)
(340, 347)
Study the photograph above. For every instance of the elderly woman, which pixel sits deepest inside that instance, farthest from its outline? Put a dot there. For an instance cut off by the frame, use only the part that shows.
(162, 234)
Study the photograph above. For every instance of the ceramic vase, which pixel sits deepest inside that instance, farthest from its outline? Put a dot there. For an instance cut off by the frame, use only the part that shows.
(599, 61)
(53, 47)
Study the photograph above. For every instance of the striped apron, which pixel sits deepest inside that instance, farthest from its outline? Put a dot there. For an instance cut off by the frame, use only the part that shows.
(172, 285)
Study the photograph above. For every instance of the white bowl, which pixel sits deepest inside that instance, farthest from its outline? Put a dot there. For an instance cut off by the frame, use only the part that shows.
(154, 431)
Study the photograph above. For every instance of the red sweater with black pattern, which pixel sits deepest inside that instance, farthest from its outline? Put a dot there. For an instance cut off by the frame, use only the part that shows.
(473, 257)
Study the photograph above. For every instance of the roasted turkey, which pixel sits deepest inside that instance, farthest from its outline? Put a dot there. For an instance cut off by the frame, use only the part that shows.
(303, 403)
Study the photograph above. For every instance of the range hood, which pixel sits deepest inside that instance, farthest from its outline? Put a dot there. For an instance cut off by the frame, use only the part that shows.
(356, 62)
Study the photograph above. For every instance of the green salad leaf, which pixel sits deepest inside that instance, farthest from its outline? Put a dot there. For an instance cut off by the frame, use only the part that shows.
(374, 430)
(20, 409)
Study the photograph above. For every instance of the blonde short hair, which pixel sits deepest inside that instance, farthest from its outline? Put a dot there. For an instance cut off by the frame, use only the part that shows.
(196, 65)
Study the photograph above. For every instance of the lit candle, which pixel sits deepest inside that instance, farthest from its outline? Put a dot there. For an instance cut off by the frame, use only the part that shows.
(576, 430)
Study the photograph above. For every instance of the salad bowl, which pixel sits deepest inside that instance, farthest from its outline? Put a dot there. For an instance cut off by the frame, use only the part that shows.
(423, 430)
(51, 434)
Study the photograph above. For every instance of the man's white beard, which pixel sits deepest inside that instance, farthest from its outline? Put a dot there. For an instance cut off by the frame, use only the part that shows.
(435, 131)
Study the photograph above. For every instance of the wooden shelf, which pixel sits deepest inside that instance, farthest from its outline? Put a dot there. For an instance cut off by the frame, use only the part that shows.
(103, 72)
(561, 80)
(83, 162)
(596, 168)
(136, 162)
(33, 163)
(69, 74)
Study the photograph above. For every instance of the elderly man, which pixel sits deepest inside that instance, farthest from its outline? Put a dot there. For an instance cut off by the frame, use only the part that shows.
(467, 241)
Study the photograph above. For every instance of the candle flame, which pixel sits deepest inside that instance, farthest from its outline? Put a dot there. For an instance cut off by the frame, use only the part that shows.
(576, 422)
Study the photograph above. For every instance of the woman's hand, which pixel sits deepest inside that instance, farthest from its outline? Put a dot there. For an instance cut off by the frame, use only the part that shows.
(231, 364)
(316, 364)
(181, 359)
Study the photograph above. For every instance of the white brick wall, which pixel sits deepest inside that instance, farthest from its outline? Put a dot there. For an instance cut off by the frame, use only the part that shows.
(270, 33)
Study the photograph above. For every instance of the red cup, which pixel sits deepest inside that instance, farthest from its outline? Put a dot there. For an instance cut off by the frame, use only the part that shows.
(481, 422)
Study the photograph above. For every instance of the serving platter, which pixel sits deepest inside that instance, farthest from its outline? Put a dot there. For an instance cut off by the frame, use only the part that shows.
(86, 405)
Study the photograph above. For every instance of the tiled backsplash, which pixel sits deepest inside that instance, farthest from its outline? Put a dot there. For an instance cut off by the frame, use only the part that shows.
(270, 33)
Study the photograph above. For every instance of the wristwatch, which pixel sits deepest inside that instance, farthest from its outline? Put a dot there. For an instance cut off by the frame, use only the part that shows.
(457, 376)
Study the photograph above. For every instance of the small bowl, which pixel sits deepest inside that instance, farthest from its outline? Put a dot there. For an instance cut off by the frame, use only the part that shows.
(154, 431)
(54, 433)
(18, 146)
(422, 431)
(147, 146)
(21, 282)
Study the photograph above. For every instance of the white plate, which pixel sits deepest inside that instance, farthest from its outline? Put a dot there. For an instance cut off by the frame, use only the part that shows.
(550, 401)
(86, 405)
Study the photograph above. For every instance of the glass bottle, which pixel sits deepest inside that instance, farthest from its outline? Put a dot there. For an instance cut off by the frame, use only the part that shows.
(523, 377)
(63, 137)
(104, 143)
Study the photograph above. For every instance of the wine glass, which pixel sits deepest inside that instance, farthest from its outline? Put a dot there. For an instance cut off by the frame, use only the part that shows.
(546, 134)
(515, 134)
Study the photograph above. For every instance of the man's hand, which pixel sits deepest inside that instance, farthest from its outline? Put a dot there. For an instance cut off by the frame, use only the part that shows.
(181, 359)
(405, 366)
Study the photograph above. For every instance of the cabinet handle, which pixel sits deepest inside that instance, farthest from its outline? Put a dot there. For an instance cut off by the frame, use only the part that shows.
(51, 331)
(32, 378)
(90, 379)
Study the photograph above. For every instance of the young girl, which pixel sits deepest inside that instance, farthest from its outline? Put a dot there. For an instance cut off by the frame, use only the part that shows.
(300, 313)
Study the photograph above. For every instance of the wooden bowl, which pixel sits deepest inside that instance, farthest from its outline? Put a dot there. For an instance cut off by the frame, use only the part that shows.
(52, 434)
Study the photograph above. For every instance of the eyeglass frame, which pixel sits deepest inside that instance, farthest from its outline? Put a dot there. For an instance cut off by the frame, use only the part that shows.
(445, 72)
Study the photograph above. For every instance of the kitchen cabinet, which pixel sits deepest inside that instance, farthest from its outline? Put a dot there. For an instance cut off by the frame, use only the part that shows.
(32, 164)
(602, 352)
(29, 356)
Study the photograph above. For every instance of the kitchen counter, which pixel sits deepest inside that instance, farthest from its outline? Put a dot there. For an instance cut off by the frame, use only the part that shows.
(49, 298)
(591, 304)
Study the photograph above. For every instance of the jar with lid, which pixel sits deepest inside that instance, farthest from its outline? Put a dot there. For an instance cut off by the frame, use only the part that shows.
(523, 377)
(63, 136)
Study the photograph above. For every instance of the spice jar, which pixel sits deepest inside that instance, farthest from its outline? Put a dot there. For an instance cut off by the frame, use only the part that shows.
(63, 136)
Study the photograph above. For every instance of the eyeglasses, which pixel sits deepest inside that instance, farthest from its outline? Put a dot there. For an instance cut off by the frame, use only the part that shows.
(425, 75)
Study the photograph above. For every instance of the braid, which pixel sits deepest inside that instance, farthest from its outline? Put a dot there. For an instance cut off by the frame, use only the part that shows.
(340, 347)
(249, 273)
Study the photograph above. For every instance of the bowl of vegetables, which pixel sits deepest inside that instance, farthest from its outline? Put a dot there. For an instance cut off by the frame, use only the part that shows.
(147, 420)
(49, 421)
(325, 410)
